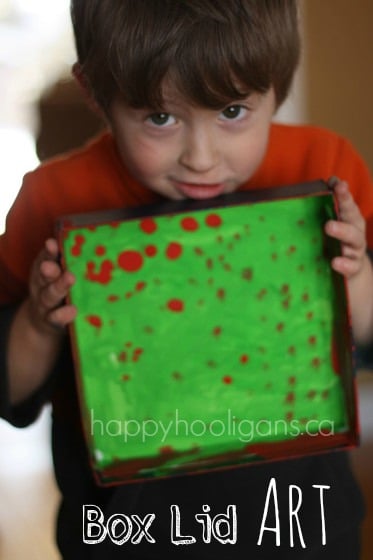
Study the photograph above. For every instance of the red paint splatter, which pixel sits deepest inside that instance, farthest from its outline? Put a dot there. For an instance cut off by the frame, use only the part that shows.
(122, 356)
(176, 305)
(130, 261)
(291, 350)
(290, 398)
(227, 379)
(140, 286)
(112, 298)
(166, 450)
(103, 276)
(189, 224)
(174, 251)
(209, 264)
(274, 256)
(217, 331)
(292, 380)
(289, 416)
(316, 362)
(213, 220)
(94, 320)
(247, 274)
(285, 289)
(151, 250)
(148, 226)
(291, 250)
(114, 224)
(312, 340)
(260, 295)
(309, 315)
(244, 359)
(198, 251)
(325, 394)
(126, 377)
(100, 250)
(305, 297)
(280, 327)
(76, 250)
(220, 294)
(311, 394)
(177, 375)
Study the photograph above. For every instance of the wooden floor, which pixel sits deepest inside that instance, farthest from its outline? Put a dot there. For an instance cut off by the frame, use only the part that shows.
(29, 498)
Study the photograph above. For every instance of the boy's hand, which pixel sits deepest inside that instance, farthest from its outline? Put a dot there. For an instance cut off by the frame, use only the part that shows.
(354, 262)
(49, 286)
(350, 230)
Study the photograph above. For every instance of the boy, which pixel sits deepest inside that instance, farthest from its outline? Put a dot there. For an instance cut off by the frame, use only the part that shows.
(189, 88)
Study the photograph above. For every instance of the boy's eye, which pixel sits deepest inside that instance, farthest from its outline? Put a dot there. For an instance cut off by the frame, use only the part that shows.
(234, 112)
(161, 119)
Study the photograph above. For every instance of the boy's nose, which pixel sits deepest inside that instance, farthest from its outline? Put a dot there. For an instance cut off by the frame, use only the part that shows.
(199, 151)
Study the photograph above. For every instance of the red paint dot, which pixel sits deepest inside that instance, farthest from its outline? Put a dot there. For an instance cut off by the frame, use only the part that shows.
(290, 398)
(140, 286)
(130, 261)
(100, 250)
(316, 362)
(122, 357)
(174, 251)
(216, 331)
(244, 359)
(176, 305)
(289, 416)
(291, 350)
(292, 380)
(76, 251)
(79, 239)
(311, 394)
(285, 289)
(94, 320)
(280, 327)
(213, 220)
(220, 293)
(148, 226)
(151, 250)
(177, 375)
(312, 340)
(126, 377)
(305, 297)
(227, 379)
(166, 450)
(189, 224)
(112, 298)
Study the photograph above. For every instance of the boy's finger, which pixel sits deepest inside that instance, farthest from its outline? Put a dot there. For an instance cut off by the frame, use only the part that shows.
(348, 209)
(54, 293)
(346, 233)
(347, 267)
(62, 316)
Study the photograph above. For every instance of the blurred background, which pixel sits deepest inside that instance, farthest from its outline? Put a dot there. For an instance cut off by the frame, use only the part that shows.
(42, 114)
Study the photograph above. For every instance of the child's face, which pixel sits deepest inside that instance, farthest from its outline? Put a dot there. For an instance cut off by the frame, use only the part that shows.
(188, 151)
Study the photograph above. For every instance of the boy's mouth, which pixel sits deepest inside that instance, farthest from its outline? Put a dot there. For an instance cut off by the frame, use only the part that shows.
(199, 191)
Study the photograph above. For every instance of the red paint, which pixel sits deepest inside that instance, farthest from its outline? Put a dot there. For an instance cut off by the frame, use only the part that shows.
(151, 250)
(311, 394)
(280, 327)
(261, 294)
(76, 250)
(130, 261)
(216, 331)
(312, 340)
(174, 251)
(244, 359)
(100, 250)
(220, 294)
(177, 375)
(316, 362)
(227, 379)
(166, 450)
(112, 298)
(176, 305)
(291, 350)
(285, 289)
(292, 380)
(189, 224)
(94, 320)
(140, 286)
(290, 398)
(126, 377)
(213, 220)
(122, 356)
(148, 226)
(103, 276)
(305, 297)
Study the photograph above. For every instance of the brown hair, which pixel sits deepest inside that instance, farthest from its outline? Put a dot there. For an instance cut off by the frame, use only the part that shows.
(214, 51)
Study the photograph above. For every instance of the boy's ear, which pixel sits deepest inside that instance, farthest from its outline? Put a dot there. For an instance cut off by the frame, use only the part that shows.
(81, 80)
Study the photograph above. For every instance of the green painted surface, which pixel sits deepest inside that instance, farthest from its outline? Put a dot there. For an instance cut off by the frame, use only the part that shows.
(206, 331)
